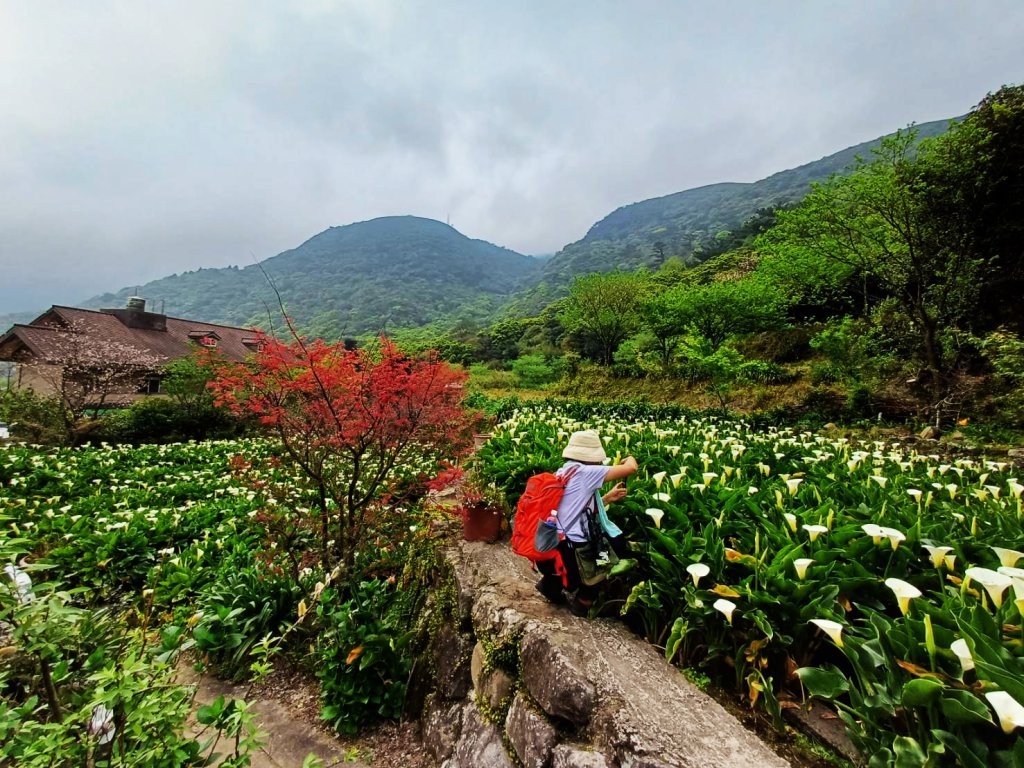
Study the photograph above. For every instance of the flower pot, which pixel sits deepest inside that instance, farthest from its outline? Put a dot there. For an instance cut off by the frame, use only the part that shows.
(481, 523)
(481, 438)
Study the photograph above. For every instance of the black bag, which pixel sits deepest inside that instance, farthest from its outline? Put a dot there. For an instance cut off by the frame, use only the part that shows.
(546, 538)
(595, 557)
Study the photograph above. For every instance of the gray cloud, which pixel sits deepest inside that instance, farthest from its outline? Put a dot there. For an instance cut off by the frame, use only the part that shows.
(138, 140)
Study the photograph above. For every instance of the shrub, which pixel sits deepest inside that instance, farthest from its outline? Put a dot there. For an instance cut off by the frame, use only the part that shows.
(32, 418)
(762, 372)
(485, 377)
(237, 610)
(360, 657)
(163, 420)
(535, 370)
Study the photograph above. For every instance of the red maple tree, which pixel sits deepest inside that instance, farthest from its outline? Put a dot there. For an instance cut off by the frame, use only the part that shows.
(347, 418)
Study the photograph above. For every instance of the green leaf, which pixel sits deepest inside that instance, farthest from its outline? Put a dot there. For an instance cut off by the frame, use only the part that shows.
(211, 712)
(964, 754)
(921, 692)
(823, 683)
(908, 753)
(964, 708)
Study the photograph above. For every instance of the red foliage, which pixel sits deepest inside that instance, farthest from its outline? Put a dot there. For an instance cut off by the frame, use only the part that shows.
(347, 418)
(346, 399)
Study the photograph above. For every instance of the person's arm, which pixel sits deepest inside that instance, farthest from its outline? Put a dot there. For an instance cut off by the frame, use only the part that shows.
(621, 471)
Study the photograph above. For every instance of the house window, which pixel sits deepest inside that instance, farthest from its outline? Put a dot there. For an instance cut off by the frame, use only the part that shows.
(151, 387)
(206, 339)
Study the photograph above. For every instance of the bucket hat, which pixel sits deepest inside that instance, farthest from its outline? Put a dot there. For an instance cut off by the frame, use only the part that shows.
(585, 446)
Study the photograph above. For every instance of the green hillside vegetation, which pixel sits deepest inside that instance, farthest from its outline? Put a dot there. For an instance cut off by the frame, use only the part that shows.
(372, 276)
(691, 225)
(890, 289)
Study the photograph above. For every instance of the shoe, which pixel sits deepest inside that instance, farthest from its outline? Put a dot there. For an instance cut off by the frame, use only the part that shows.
(578, 607)
(552, 593)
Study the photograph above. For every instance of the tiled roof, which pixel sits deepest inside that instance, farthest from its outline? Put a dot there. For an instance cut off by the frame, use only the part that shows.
(42, 339)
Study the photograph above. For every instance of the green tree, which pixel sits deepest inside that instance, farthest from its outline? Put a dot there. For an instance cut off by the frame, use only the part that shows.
(995, 192)
(604, 306)
(716, 311)
(186, 382)
(890, 223)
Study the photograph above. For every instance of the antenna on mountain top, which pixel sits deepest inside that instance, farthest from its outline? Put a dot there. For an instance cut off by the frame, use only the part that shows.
(448, 220)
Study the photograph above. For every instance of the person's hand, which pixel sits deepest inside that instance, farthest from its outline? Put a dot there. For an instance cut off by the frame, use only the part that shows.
(617, 493)
(630, 460)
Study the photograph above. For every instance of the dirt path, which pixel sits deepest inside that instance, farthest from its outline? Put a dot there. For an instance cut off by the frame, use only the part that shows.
(288, 710)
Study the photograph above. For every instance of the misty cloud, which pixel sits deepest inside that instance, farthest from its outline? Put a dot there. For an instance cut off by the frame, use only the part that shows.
(139, 140)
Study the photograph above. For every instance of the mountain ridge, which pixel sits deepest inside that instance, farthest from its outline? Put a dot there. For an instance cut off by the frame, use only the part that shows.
(407, 271)
(393, 271)
(683, 221)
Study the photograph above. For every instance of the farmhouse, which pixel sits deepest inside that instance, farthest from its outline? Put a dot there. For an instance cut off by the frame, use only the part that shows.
(128, 346)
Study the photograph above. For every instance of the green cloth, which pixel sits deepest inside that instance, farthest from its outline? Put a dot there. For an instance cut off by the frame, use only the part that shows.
(602, 514)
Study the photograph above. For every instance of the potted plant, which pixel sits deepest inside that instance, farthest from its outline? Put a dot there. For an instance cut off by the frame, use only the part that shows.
(483, 510)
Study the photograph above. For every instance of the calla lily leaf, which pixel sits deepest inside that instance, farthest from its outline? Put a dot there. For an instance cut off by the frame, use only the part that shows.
(921, 692)
(723, 590)
(964, 708)
(823, 683)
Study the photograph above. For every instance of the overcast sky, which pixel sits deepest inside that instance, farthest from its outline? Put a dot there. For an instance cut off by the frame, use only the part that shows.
(139, 139)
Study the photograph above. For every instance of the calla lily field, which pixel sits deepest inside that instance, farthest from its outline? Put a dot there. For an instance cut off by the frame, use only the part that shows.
(877, 576)
(119, 558)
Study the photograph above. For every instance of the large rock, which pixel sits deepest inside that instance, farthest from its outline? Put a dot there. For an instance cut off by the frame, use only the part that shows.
(452, 661)
(554, 681)
(493, 686)
(531, 735)
(480, 745)
(623, 698)
(930, 433)
(565, 756)
(442, 723)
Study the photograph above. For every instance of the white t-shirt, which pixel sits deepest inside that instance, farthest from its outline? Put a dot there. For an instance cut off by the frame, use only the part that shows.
(579, 492)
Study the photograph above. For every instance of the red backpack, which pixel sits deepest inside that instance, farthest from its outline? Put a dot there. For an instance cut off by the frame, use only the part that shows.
(542, 495)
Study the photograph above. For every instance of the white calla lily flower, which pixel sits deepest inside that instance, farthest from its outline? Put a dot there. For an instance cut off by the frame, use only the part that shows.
(894, 536)
(791, 521)
(904, 591)
(655, 515)
(800, 565)
(831, 628)
(1009, 711)
(994, 583)
(1007, 557)
(814, 531)
(876, 532)
(724, 607)
(697, 572)
(658, 477)
(963, 654)
(793, 484)
(937, 554)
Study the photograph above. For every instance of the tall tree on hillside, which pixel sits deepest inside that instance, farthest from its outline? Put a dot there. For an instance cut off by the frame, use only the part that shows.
(883, 222)
(604, 306)
(997, 203)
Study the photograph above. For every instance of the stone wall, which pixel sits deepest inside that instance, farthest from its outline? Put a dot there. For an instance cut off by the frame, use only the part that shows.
(520, 682)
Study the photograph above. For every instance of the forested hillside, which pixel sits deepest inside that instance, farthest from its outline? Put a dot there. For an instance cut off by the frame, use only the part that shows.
(894, 290)
(375, 275)
(689, 224)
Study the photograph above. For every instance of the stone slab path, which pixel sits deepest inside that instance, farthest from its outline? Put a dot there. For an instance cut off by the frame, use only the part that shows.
(644, 712)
